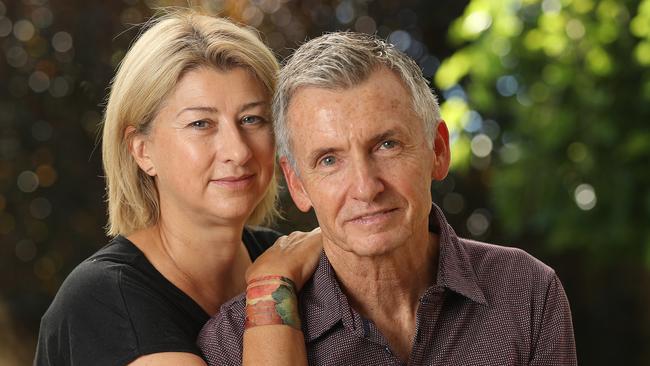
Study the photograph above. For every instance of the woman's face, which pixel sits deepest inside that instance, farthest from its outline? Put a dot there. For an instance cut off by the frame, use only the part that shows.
(211, 147)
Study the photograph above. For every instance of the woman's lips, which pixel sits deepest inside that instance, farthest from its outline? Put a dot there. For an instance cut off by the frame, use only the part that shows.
(234, 182)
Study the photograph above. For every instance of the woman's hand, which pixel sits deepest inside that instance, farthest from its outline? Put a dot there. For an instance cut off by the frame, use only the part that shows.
(294, 256)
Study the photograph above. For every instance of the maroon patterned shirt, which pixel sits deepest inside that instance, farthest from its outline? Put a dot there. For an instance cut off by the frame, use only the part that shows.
(490, 305)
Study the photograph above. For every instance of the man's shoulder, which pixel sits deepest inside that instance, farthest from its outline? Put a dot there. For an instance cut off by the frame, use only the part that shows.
(506, 268)
(234, 308)
(229, 320)
(486, 254)
(221, 338)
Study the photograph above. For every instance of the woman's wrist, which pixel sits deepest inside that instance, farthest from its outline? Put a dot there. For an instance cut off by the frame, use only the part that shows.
(271, 300)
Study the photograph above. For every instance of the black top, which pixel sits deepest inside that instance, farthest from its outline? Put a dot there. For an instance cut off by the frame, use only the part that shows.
(115, 307)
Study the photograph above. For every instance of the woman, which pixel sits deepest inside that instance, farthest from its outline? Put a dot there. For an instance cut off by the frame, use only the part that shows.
(188, 154)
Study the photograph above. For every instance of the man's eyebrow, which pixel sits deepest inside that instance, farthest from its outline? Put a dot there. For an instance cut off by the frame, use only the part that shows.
(314, 155)
(384, 136)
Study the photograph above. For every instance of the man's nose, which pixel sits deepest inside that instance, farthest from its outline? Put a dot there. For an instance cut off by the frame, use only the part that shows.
(366, 183)
(233, 145)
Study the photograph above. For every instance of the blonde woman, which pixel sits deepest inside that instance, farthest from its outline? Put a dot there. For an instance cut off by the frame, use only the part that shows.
(189, 158)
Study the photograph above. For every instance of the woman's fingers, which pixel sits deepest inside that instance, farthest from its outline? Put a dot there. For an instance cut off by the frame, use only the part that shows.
(294, 256)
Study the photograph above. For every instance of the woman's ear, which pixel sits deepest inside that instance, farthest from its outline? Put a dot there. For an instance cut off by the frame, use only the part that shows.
(138, 147)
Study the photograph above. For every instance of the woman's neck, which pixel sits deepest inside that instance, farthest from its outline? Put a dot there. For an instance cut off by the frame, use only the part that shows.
(207, 263)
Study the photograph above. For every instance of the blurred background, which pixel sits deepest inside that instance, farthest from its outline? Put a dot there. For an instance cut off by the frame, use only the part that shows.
(548, 103)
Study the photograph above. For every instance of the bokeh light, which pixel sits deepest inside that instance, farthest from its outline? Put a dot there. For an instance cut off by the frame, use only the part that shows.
(47, 175)
(507, 85)
(40, 208)
(5, 26)
(453, 203)
(574, 29)
(481, 145)
(585, 196)
(16, 56)
(39, 81)
(44, 268)
(345, 12)
(401, 39)
(42, 17)
(27, 181)
(365, 24)
(62, 41)
(24, 30)
(478, 222)
(577, 152)
(25, 250)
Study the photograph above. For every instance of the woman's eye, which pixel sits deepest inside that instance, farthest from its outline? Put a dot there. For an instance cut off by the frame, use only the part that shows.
(247, 120)
(328, 161)
(199, 124)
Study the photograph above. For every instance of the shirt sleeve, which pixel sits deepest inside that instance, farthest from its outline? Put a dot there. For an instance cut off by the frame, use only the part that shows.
(554, 344)
(86, 323)
(222, 336)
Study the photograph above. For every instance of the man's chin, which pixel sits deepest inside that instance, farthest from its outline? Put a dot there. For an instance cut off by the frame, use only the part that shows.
(372, 245)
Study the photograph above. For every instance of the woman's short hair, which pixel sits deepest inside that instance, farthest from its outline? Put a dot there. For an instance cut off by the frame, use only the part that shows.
(170, 46)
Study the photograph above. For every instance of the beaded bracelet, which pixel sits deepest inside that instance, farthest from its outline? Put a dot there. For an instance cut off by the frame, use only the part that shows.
(271, 300)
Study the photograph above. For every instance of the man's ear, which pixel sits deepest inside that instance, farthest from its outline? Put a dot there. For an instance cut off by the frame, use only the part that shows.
(139, 150)
(296, 189)
(442, 154)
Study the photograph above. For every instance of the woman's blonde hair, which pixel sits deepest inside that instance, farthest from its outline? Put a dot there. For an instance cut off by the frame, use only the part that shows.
(172, 45)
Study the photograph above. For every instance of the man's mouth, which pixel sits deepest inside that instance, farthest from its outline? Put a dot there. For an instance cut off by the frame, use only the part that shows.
(372, 217)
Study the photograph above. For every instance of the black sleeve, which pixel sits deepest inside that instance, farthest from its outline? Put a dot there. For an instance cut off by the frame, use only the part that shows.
(86, 324)
(258, 239)
(108, 313)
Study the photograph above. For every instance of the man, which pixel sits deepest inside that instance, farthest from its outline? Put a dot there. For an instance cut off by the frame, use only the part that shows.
(360, 140)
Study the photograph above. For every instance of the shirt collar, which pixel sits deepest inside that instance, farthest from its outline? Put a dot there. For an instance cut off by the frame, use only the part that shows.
(455, 271)
(320, 301)
(323, 304)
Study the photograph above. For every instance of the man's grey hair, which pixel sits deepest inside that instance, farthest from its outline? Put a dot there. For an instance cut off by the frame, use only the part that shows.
(343, 60)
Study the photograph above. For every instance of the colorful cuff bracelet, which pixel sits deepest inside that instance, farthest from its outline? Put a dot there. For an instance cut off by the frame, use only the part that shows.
(271, 300)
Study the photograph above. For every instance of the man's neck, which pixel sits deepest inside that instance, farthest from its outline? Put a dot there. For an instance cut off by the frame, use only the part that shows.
(386, 289)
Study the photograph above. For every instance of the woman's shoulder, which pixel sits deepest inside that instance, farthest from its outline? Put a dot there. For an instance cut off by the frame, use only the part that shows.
(117, 299)
(94, 282)
(88, 310)
(262, 233)
(257, 239)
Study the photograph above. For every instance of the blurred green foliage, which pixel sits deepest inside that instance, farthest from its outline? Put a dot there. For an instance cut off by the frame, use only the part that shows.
(568, 84)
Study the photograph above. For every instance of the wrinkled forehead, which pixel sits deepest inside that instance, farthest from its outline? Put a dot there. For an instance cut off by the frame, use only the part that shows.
(378, 105)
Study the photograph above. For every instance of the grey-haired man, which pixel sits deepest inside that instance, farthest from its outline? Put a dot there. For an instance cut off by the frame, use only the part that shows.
(360, 140)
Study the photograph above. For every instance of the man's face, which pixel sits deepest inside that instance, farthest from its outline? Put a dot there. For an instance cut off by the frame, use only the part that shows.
(364, 164)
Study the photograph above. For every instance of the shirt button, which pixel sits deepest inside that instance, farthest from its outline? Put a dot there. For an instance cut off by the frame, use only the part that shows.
(388, 350)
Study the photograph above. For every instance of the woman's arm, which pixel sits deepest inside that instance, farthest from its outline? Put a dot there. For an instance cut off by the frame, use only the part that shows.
(169, 359)
(279, 341)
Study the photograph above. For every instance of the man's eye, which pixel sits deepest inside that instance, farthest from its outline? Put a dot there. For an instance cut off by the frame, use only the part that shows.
(328, 161)
(247, 120)
(388, 144)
